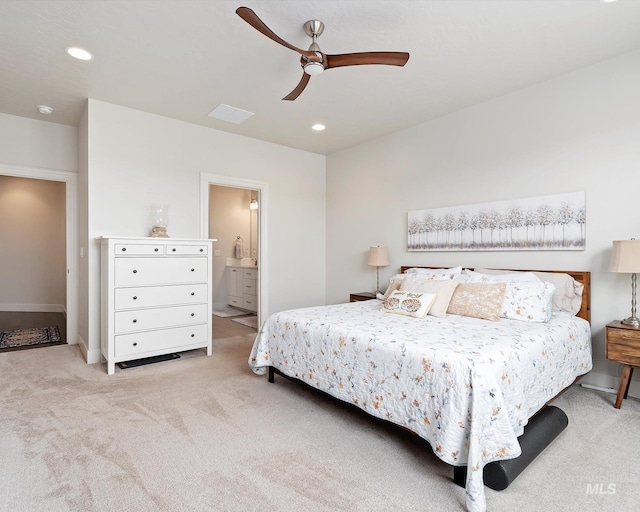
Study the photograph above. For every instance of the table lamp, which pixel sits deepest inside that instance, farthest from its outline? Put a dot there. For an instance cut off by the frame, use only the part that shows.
(625, 258)
(378, 257)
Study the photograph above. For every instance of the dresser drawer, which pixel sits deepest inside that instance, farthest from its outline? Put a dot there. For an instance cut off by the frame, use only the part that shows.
(158, 318)
(179, 250)
(150, 271)
(149, 296)
(138, 344)
(138, 249)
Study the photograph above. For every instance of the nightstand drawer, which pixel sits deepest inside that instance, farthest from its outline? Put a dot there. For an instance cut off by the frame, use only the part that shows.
(623, 345)
(623, 353)
(630, 337)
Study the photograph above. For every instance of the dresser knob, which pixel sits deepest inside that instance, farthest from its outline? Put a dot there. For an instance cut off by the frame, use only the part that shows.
(192, 294)
(135, 271)
(193, 270)
(156, 249)
(193, 314)
(124, 249)
(174, 249)
(193, 335)
(201, 250)
(135, 343)
(135, 321)
(135, 297)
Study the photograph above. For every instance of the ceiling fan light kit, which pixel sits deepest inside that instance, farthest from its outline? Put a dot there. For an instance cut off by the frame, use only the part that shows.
(313, 68)
(313, 60)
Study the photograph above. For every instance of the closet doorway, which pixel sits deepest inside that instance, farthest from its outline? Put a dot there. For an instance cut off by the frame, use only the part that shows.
(234, 212)
(38, 239)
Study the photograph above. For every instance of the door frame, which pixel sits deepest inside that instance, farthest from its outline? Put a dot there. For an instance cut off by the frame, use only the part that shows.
(207, 179)
(70, 179)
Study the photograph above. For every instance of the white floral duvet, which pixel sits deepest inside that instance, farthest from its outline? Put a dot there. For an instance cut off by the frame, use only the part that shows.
(467, 386)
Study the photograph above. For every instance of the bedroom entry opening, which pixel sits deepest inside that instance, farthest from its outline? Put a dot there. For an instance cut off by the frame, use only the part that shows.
(38, 305)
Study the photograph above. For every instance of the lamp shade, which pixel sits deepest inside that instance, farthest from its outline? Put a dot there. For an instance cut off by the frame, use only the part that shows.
(625, 257)
(378, 256)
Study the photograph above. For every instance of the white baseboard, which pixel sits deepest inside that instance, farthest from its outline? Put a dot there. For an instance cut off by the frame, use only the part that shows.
(607, 382)
(34, 308)
(91, 356)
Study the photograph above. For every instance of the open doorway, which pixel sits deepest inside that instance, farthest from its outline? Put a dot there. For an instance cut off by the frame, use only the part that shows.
(33, 248)
(70, 180)
(234, 213)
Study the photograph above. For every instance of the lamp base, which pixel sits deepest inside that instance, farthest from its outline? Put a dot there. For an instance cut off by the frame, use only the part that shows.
(633, 321)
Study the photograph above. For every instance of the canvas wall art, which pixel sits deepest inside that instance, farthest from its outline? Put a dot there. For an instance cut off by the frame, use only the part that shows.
(555, 222)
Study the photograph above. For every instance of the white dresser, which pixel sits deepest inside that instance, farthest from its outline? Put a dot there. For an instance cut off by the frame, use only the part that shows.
(242, 287)
(156, 297)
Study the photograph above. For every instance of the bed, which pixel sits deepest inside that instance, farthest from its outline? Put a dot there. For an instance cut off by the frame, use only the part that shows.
(466, 383)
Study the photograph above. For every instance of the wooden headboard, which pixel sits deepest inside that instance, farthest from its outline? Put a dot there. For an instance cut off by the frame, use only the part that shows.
(581, 276)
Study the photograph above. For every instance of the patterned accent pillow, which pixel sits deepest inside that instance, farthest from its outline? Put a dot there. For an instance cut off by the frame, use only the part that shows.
(478, 300)
(530, 302)
(407, 303)
(443, 290)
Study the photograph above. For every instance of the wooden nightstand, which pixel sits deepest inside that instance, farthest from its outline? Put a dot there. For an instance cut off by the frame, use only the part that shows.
(356, 297)
(623, 345)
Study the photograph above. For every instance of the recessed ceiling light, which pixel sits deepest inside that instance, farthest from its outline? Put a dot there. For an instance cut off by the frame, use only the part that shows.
(79, 53)
(45, 109)
(318, 127)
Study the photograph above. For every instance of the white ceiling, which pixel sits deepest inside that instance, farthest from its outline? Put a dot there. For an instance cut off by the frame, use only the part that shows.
(182, 58)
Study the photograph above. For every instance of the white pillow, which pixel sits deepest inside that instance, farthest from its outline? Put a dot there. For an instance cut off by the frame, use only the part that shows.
(500, 277)
(528, 301)
(568, 294)
(407, 303)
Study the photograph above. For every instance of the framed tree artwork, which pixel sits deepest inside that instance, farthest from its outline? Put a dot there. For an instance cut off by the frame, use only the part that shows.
(555, 222)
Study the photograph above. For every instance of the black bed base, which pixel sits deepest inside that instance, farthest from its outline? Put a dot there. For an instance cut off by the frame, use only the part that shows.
(541, 430)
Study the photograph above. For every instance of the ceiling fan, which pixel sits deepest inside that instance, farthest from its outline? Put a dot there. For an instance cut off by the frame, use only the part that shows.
(313, 60)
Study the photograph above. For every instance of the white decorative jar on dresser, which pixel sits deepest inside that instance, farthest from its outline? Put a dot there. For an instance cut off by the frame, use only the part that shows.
(156, 297)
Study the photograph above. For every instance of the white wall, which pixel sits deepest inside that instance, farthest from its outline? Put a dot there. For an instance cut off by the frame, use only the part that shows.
(578, 132)
(135, 159)
(32, 143)
(32, 245)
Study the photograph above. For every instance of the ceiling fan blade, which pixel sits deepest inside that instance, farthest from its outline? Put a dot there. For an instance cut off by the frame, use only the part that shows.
(252, 19)
(299, 88)
(358, 59)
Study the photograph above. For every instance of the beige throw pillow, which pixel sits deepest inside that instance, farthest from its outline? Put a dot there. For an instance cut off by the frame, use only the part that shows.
(443, 290)
(478, 300)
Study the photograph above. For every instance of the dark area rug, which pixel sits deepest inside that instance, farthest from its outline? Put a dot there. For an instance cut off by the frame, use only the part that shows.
(30, 338)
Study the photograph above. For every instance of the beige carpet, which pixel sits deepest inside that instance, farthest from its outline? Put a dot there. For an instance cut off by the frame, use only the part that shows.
(205, 434)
